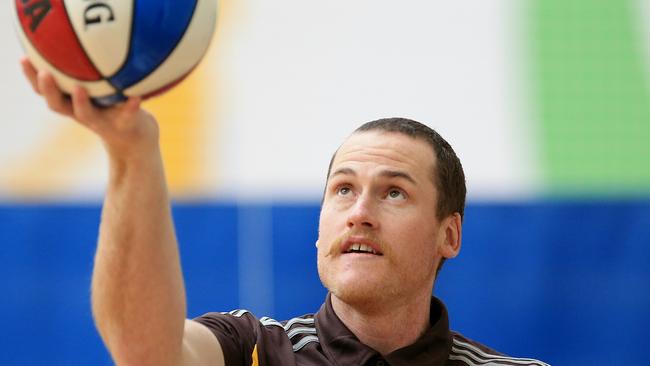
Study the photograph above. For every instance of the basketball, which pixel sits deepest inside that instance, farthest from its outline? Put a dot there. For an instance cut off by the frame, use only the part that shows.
(116, 48)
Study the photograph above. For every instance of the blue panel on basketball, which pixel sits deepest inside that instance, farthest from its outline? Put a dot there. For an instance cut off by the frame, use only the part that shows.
(109, 100)
(158, 26)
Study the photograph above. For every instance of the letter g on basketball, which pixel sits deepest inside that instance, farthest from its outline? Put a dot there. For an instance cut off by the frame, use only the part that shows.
(97, 12)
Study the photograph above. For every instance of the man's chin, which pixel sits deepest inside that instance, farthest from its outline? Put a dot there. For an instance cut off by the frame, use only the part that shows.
(354, 287)
(360, 294)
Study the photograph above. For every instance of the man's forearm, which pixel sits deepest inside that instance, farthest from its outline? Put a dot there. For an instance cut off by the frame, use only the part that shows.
(138, 296)
(137, 290)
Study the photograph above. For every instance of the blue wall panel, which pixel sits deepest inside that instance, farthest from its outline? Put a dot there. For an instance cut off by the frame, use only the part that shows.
(297, 287)
(207, 237)
(45, 264)
(568, 282)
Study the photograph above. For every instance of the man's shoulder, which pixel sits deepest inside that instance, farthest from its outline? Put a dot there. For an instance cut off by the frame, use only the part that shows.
(466, 351)
(300, 330)
(244, 337)
(294, 324)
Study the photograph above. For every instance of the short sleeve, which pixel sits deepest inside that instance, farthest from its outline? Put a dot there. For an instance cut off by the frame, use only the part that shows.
(236, 332)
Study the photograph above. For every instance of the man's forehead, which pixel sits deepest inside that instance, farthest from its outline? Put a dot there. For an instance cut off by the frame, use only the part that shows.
(374, 138)
(382, 147)
(385, 142)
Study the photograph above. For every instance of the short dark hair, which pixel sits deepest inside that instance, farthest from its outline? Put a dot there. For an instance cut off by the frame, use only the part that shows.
(448, 175)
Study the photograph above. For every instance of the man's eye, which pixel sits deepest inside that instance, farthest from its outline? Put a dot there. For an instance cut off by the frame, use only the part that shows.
(396, 194)
(343, 191)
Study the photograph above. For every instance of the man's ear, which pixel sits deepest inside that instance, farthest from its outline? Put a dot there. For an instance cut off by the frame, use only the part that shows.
(451, 235)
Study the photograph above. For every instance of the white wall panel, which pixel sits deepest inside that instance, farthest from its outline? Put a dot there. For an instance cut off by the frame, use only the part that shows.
(290, 79)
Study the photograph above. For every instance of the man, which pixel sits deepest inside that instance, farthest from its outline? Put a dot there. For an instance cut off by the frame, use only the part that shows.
(391, 214)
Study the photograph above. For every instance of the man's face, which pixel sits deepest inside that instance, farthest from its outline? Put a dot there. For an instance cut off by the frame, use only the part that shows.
(380, 197)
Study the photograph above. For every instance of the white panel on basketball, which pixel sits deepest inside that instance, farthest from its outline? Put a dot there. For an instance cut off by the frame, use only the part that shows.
(66, 83)
(106, 42)
(186, 54)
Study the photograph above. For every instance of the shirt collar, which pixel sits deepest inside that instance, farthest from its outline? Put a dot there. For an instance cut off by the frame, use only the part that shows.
(344, 348)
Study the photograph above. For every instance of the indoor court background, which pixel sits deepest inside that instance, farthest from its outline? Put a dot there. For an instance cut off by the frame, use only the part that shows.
(547, 103)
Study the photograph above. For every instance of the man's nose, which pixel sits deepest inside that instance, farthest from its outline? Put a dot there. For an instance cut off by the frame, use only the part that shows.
(362, 214)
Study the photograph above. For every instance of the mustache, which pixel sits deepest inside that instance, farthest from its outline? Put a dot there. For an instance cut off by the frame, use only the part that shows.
(336, 248)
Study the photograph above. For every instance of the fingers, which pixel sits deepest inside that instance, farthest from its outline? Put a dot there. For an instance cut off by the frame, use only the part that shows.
(30, 73)
(98, 119)
(79, 106)
(54, 97)
(44, 84)
(83, 109)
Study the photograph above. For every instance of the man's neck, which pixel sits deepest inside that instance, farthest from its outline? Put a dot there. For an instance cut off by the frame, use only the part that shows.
(386, 328)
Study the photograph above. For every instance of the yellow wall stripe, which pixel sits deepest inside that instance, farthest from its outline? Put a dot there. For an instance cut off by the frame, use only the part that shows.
(179, 115)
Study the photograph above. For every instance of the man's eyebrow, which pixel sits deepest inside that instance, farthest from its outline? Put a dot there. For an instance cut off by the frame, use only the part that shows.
(397, 174)
(383, 173)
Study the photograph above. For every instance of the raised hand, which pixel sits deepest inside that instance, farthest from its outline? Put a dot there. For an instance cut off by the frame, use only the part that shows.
(125, 129)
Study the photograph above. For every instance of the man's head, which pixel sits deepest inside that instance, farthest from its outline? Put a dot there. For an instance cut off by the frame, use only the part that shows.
(447, 172)
(396, 187)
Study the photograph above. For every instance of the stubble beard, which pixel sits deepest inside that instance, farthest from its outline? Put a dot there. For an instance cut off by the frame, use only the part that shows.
(357, 292)
(374, 295)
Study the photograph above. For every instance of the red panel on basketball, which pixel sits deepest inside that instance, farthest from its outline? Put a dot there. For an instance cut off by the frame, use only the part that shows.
(48, 28)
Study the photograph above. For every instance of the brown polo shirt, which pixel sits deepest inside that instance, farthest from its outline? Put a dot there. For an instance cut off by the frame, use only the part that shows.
(322, 339)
